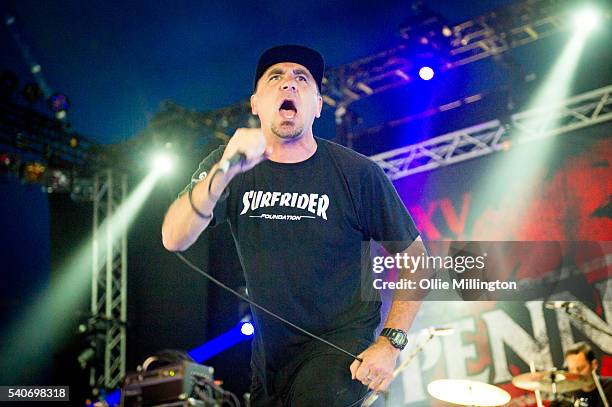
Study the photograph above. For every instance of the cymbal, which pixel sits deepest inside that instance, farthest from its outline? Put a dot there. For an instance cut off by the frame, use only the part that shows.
(543, 381)
(468, 393)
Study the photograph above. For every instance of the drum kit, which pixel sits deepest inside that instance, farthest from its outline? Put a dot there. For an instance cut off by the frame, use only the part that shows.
(473, 393)
(559, 384)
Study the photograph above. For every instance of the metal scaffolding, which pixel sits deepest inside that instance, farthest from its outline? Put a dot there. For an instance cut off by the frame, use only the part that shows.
(571, 114)
(488, 35)
(109, 277)
(473, 40)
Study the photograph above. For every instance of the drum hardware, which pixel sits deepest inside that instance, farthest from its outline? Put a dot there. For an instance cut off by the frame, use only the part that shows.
(551, 381)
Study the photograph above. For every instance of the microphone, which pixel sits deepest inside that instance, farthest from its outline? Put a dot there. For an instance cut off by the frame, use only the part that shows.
(560, 304)
(237, 159)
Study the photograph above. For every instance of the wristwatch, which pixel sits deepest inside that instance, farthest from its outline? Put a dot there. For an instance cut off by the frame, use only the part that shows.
(397, 337)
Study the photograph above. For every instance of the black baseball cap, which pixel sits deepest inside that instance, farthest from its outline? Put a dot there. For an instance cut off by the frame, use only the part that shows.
(299, 54)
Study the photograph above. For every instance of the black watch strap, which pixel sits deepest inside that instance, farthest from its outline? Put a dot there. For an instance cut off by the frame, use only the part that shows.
(397, 337)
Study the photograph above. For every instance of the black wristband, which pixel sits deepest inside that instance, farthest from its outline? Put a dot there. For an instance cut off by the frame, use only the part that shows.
(200, 214)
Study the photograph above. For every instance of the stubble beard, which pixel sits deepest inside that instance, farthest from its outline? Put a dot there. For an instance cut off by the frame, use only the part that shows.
(288, 133)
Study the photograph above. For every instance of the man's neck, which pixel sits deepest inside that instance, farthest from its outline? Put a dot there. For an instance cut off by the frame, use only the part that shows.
(589, 389)
(292, 151)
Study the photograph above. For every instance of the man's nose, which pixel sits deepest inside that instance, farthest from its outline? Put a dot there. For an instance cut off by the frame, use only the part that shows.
(289, 84)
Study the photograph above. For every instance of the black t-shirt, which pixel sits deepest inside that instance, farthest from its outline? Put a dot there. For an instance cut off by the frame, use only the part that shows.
(299, 230)
(593, 398)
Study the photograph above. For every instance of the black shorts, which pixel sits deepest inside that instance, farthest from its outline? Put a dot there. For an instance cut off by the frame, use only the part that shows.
(320, 379)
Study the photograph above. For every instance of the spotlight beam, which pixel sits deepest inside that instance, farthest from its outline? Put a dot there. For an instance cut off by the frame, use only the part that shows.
(520, 171)
(42, 325)
(218, 344)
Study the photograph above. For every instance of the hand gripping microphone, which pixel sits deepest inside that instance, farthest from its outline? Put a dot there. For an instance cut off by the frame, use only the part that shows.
(237, 159)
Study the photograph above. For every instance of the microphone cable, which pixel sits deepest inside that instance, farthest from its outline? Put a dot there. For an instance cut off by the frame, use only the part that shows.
(262, 308)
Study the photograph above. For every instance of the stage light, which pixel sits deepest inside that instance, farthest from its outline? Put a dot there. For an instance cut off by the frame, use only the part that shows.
(58, 181)
(162, 163)
(33, 171)
(247, 329)
(58, 102)
(426, 73)
(5, 159)
(9, 163)
(246, 325)
(586, 20)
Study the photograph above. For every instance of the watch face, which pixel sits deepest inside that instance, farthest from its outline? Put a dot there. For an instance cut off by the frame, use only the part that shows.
(396, 337)
(399, 338)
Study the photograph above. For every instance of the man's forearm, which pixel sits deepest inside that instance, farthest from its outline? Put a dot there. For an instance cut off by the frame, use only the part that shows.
(182, 225)
(402, 312)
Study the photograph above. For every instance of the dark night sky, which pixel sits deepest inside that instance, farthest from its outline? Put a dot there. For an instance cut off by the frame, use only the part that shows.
(117, 60)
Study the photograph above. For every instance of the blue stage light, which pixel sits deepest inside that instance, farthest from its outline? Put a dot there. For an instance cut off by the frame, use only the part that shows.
(224, 341)
(59, 102)
(426, 73)
(247, 329)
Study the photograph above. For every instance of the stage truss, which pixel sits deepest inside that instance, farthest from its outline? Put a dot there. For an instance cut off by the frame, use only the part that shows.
(575, 113)
(109, 277)
(473, 40)
(482, 37)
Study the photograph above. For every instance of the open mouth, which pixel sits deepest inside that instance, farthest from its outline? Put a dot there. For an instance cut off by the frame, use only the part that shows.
(288, 109)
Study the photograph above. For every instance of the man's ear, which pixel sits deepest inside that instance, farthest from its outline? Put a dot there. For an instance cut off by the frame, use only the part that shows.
(253, 104)
(319, 107)
(594, 364)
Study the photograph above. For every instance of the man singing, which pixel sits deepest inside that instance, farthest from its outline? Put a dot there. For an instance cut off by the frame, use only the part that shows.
(299, 208)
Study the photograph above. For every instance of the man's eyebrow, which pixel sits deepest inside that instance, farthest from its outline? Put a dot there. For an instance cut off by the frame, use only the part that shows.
(300, 71)
(296, 71)
(276, 71)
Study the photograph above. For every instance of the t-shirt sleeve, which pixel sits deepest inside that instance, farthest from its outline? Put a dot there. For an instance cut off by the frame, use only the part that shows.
(201, 173)
(385, 217)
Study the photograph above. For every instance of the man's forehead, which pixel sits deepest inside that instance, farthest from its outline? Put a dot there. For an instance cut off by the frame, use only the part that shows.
(287, 66)
(576, 357)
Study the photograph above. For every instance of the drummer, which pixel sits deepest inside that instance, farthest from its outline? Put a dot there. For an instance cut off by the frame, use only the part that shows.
(580, 359)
